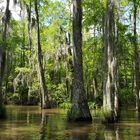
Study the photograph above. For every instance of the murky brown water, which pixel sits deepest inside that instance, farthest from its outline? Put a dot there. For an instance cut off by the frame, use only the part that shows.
(30, 123)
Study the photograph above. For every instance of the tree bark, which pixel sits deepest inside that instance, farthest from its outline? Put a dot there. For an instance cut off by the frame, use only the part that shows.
(44, 90)
(80, 110)
(136, 60)
(104, 65)
(28, 7)
(3, 51)
(110, 97)
(69, 64)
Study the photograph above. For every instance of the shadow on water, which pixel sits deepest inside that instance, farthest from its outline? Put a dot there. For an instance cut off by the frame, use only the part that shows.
(32, 123)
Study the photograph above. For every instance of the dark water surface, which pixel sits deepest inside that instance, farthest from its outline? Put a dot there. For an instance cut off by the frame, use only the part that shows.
(30, 123)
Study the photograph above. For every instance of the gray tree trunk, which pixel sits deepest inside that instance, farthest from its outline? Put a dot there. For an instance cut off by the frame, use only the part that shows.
(28, 8)
(110, 99)
(80, 110)
(3, 51)
(136, 60)
(44, 90)
(69, 63)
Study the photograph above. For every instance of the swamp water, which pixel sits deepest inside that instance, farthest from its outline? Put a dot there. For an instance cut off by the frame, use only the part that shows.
(30, 123)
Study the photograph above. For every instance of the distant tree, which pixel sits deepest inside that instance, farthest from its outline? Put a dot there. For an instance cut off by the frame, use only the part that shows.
(44, 90)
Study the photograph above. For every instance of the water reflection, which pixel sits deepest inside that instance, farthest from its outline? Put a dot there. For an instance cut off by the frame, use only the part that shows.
(117, 134)
(42, 126)
(78, 131)
(79, 137)
(32, 123)
(111, 133)
(138, 116)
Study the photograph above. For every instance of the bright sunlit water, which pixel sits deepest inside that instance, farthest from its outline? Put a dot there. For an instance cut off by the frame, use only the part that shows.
(30, 123)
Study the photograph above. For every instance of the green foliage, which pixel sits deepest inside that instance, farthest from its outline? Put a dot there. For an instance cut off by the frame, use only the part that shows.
(93, 12)
(23, 69)
(33, 97)
(101, 115)
(15, 98)
(92, 105)
(65, 105)
(57, 93)
(126, 97)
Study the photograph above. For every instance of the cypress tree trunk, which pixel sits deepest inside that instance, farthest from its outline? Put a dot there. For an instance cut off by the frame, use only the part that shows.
(136, 60)
(104, 65)
(3, 55)
(69, 63)
(28, 8)
(80, 110)
(44, 90)
(110, 99)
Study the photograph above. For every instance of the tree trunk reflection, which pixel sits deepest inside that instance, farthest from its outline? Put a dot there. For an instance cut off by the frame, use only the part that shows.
(42, 127)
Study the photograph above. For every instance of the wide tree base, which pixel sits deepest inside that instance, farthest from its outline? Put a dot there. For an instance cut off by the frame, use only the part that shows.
(110, 117)
(79, 113)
